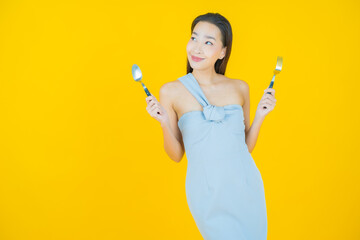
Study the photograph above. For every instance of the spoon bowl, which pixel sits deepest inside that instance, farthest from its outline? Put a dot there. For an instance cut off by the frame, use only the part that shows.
(137, 75)
(136, 72)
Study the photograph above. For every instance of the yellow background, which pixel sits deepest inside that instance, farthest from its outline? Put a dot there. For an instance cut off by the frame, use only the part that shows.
(80, 158)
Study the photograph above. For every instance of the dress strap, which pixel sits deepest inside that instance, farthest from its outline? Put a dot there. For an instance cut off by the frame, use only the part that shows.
(211, 112)
(194, 88)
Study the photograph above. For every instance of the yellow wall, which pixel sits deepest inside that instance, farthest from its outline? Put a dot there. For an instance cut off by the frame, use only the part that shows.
(80, 158)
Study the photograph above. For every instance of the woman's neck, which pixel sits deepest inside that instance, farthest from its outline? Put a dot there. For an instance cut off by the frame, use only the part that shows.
(205, 77)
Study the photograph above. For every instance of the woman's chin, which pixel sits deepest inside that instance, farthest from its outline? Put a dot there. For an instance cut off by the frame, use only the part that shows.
(194, 64)
(198, 66)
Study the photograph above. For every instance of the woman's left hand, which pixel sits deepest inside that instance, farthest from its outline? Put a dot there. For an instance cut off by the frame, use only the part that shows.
(268, 101)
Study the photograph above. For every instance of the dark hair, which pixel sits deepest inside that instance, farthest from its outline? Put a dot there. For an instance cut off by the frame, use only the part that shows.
(226, 38)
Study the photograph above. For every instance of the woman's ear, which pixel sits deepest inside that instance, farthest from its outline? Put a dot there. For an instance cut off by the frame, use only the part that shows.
(223, 53)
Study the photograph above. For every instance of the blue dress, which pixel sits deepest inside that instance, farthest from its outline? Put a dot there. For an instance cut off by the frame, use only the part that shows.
(224, 188)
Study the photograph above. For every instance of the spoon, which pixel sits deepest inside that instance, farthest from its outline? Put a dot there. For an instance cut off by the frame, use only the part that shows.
(137, 75)
(276, 71)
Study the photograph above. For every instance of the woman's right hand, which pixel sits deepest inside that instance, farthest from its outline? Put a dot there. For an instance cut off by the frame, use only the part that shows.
(156, 110)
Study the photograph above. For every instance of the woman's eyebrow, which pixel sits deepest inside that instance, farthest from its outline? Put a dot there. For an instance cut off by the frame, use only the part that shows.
(205, 36)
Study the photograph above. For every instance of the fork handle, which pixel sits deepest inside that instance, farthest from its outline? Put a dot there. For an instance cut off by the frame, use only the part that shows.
(272, 83)
(270, 86)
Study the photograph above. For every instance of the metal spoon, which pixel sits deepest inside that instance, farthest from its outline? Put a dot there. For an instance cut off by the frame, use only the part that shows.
(276, 71)
(137, 75)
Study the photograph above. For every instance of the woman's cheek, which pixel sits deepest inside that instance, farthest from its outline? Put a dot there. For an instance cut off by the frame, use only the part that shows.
(188, 47)
(211, 51)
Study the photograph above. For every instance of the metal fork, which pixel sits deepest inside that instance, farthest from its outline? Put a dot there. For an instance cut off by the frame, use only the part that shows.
(276, 71)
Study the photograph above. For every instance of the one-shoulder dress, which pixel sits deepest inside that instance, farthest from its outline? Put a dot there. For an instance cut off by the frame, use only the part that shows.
(224, 188)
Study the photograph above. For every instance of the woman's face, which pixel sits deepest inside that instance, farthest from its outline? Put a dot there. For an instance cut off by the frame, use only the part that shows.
(205, 43)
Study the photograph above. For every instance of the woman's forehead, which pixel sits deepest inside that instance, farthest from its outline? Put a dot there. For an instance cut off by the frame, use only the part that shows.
(206, 29)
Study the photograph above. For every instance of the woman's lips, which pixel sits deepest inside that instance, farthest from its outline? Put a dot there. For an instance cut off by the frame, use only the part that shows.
(196, 59)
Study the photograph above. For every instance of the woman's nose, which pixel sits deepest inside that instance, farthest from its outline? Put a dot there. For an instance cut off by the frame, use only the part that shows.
(198, 48)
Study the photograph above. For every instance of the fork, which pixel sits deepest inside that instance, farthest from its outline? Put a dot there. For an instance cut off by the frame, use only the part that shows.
(276, 71)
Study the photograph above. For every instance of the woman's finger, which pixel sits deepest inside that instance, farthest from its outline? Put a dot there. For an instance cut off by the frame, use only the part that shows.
(152, 103)
(270, 97)
(154, 108)
(149, 99)
(268, 101)
(149, 105)
(267, 105)
(271, 90)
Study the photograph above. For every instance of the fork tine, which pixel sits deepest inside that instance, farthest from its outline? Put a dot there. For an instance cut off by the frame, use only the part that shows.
(279, 64)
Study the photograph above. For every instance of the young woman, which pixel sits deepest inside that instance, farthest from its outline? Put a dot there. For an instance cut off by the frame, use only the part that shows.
(206, 114)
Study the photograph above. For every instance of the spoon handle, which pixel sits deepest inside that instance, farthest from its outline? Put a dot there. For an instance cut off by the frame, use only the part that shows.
(145, 89)
(147, 92)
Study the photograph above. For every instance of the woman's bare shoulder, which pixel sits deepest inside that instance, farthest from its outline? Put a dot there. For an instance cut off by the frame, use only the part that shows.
(239, 84)
(170, 90)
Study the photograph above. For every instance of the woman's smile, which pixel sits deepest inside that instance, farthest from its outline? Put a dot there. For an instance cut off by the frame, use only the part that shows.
(196, 59)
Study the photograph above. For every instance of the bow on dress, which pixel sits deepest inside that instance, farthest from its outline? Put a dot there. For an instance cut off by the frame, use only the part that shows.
(214, 113)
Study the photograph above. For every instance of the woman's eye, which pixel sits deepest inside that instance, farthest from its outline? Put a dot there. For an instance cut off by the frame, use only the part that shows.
(206, 42)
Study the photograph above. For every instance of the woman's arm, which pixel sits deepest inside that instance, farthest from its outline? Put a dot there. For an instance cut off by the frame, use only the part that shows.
(252, 132)
(252, 135)
(173, 142)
